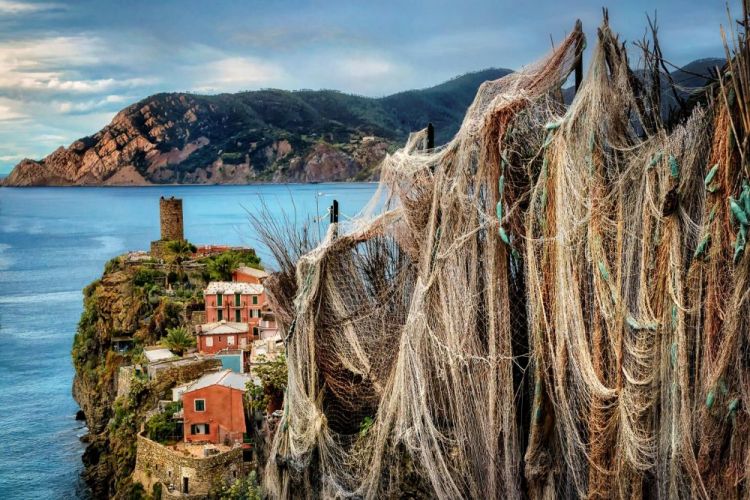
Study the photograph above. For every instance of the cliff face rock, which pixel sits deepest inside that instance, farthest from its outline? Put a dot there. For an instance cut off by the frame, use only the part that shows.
(119, 305)
(260, 136)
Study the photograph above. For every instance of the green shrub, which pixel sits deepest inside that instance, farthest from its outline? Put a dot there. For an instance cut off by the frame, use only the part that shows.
(242, 489)
(233, 158)
(179, 340)
(220, 267)
(273, 380)
(112, 265)
(162, 428)
(144, 276)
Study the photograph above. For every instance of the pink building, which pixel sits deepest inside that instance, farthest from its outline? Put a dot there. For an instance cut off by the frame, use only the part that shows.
(215, 337)
(236, 302)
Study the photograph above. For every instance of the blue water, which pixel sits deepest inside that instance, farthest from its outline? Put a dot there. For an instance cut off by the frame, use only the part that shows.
(54, 241)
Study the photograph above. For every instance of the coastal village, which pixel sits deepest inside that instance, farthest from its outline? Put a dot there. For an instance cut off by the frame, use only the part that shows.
(203, 438)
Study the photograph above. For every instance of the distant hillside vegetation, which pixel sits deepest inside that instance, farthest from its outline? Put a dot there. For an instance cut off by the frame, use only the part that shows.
(269, 135)
(258, 136)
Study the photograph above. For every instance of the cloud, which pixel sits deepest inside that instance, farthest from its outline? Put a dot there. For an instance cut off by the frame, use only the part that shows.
(285, 38)
(46, 63)
(87, 106)
(10, 110)
(236, 73)
(61, 65)
(13, 157)
(15, 8)
(360, 72)
(365, 67)
(96, 86)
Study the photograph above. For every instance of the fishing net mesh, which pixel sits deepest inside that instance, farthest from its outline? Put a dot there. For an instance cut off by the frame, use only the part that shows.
(555, 303)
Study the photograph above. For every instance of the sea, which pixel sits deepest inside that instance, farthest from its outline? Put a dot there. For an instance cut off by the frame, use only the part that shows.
(53, 242)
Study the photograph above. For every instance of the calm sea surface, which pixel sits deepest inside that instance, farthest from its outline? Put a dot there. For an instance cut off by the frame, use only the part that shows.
(54, 241)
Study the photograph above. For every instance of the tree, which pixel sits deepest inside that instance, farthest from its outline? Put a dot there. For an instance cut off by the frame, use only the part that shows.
(178, 251)
(222, 266)
(243, 489)
(179, 340)
(273, 380)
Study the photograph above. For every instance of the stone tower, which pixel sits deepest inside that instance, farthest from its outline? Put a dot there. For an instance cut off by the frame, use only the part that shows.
(170, 214)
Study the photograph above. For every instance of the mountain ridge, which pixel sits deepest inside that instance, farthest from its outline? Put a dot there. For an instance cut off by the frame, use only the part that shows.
(267, 135)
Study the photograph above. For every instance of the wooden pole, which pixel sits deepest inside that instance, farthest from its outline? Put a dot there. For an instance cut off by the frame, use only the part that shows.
(579, 60)
(430, 136)
(335, 212)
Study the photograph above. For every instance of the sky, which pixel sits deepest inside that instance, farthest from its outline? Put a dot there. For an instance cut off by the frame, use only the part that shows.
(66, 68)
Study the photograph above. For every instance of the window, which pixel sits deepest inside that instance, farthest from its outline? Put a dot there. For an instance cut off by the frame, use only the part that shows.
(237, 315)
(209, 341)
(199, 429)
(236, 299)
(255, 331)
(230, 339)
(255, 299)
(200, 405)
(219, 299)
(221, 315)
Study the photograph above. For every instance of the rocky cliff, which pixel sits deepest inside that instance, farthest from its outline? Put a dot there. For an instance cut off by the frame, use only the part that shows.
(128, 301)
(270, 135)
(260, 136)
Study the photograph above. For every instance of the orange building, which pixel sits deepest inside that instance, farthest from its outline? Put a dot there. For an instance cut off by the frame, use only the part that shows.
(213, 408)
(249, 275)
(214, 337)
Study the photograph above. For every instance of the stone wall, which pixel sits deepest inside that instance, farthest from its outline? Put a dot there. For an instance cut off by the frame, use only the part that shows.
(158, 249)
(194, 367)
(157, 463)
(124, 379)
(170, 212)
(197, 318)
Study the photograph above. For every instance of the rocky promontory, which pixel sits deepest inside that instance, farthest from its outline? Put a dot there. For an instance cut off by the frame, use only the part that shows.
(258, 136)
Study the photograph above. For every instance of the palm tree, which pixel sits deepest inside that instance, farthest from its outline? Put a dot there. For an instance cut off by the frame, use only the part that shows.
(178, 251)
(179, 340)
(222, 266)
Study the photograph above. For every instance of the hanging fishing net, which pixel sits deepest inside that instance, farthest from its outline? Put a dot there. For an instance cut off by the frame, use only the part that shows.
(553, 304)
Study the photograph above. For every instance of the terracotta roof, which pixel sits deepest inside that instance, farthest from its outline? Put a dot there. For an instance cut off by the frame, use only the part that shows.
(251, 271)
(223, 328)
(224, 378)
(231, 287)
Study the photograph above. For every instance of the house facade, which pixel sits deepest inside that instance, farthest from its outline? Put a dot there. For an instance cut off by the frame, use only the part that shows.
(213, 408)
(246, 274)
(214, 337)
(237, 302)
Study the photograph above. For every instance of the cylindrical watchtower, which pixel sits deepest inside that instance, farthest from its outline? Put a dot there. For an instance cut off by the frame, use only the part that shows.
(170, 212)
